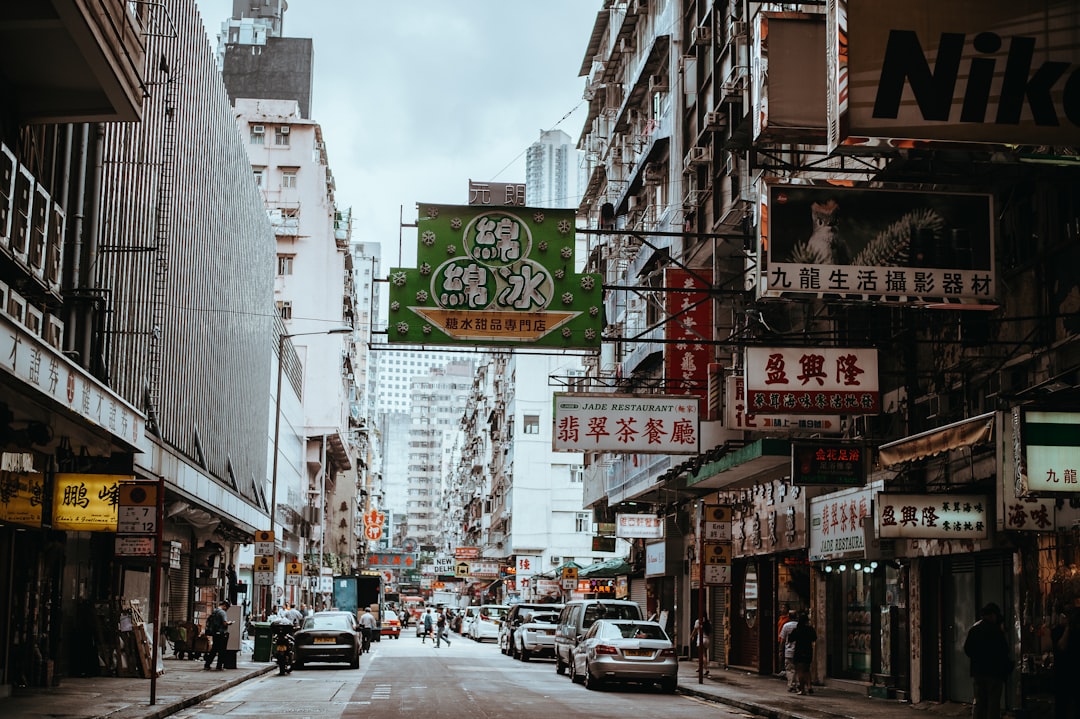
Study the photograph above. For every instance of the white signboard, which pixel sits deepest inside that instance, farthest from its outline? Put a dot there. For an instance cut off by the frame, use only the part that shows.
(484, 568)
(264, 578)
(527, 565)
(736, 417)
(656, 559)
(717, 574)
(812, 380)
(129, 546)
(639, 526)
(1051, 451)
(625, 423)
(931, 516)
(443, 565)
(836, 525)
(136, 520)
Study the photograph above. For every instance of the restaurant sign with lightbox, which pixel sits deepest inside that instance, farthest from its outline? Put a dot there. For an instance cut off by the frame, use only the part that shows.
(1046, 446)
(931, 516)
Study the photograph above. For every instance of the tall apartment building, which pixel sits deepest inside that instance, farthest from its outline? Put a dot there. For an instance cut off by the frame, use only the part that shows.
(551, 171)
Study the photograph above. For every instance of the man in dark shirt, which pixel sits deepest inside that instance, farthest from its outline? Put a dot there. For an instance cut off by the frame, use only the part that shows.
(217, 626)
(988, 650)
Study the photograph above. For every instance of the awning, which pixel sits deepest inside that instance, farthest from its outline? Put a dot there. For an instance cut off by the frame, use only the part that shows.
(966, 433)
(760, 461)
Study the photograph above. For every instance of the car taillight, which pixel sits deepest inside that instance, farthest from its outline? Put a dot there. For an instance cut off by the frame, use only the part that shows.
(606, 649)
(669, 652)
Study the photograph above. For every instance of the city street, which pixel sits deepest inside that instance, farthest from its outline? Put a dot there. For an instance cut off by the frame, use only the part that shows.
(407, 678)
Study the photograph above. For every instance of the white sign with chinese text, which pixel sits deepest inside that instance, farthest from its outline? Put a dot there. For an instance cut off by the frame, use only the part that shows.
(836, 525)
(1050, 443)
(527, 565)
(931, 516)
(625, 423)
(818, 380)
(639, 526)
(484, 568)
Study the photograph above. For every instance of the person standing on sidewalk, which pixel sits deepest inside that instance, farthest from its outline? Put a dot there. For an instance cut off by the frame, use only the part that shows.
(802, 638)
(702, 634)
(217, 628)
(988, 650)
(789, 648)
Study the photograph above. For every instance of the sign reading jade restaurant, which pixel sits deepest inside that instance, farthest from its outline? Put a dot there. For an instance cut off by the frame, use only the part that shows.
(931, 516)
(625, 423)
(499, 276)
(836, 525)
(815, 380)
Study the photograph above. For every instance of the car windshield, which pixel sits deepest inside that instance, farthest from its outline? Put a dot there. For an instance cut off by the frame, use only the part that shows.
(542, 617)
(609, 611)
(629, 630)
(493, 612)
(329, 621)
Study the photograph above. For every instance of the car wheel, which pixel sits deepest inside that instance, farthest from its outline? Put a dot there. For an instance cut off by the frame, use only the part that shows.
(669, 685)
(523, 654)
(560, 668)
(591, 680)
(355, 663)
(574, 676)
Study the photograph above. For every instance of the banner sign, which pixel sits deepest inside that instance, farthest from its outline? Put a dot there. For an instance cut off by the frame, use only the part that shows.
(840, 380)
(825, 463)
(625, 423)
(22, 495)
(527, 565)
(1048, 456)
(931, 516)
(86, 502)
(484, 568)
(992, 71)
(879, 245)
(639, 526)
(736, 417)
(690, 324)
(495, 276)
(466, 552)
(836, 525)
(391, 559)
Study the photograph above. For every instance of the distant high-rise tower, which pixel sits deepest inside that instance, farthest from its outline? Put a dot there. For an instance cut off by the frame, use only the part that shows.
(551, 171)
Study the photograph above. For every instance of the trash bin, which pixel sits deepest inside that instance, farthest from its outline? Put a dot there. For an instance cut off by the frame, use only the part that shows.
(264, 638)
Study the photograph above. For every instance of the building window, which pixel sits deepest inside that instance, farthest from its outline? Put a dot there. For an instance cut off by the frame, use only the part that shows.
(258, 172)
(582, 522)
(258, 134)
(577, 474)
(281, 136)
(532, 424)
(285, 310)
(288, 177)
(285, 264)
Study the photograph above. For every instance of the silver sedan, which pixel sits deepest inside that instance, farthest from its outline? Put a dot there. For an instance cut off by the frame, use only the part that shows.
(622, 650)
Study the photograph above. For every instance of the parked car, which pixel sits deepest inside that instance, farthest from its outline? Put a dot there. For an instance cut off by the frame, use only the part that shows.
(328, 637)
(420, 622)
(625, 651)
(513, 620)
(486, 623)
(390, 626)
(468, 615)
(577, 617)
(535, 635)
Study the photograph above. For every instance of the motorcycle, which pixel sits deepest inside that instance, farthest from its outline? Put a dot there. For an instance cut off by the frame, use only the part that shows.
(284, 646)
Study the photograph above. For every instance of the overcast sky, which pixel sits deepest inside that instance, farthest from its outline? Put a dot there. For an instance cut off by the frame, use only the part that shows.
(417, 97)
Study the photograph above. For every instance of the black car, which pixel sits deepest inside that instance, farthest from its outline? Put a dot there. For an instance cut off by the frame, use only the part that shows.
(328, 637)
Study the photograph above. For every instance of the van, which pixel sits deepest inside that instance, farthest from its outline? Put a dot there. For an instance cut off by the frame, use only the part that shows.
(576, 618)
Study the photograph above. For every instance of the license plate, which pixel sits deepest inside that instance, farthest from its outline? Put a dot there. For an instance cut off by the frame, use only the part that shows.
(323, 640)
(638, 652)
(283, 647)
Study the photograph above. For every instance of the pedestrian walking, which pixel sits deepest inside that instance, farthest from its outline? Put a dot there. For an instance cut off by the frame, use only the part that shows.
(789, 648)
(368, 627)
(429, 625)
(988, 650)
(1065, 644)
(294, 615)
(702, 634)
(803, 637)
(217, 628)
(441, 633)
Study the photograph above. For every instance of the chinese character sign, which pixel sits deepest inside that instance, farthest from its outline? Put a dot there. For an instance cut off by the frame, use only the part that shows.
(690, 324)
(931, 516)
(625, 423)
(736, 416)
(87, 502)
(825, 463)
(495, 276)
(639, 526)
(1049, 455)
(797, 380)
(836, 525)
(22, 495)
(875, 244)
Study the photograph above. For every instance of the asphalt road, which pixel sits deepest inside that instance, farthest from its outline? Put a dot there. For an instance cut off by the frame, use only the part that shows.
(405, 678)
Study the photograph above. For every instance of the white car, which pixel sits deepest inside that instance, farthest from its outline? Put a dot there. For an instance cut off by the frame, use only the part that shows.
(487, 621)
(468, 616)
(535, 636)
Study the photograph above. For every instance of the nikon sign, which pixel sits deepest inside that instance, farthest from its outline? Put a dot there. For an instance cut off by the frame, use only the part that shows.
(989, 71)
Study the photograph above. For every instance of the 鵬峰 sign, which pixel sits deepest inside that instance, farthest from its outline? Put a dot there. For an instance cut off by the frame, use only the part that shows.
(625, 423)
(794, 380)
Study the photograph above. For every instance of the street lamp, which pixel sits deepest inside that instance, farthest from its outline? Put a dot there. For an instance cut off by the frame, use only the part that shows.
(277, 408)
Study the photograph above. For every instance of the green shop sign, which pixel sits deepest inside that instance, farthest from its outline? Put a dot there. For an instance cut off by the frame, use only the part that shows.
(495, 276)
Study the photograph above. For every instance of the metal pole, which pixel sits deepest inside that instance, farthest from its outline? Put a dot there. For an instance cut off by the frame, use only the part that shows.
(155, 592)
(277, 450)
(701, 592)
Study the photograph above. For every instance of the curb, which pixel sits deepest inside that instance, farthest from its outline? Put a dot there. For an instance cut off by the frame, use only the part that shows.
(163, 710)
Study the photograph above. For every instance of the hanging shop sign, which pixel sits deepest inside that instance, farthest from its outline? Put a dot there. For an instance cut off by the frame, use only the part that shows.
(931, 516)
(736, 417)
(22, 496)
(495, 276)
(86, 502)
(391, 559)
(828, 464)
(484, 568)
(838, 380)
(838, 524)
(603, 544)
(264, 542)
(601, 422)
(639, 526)
(688, 329)
(791, 98)
(466, 552)
(769, 518)
(1047, 452)
(880, 245)
(527, 565)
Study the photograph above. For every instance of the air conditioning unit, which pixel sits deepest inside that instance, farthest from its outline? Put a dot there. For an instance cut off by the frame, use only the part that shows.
(53, 332)
(701, 35)
(15, 307)
(284, 130)
(258, 129)
(9, 167)
(715, 120)
(738, 29)
(556, 559)
(731, 90)
(696, 156)
(34, 320)
(658, 83)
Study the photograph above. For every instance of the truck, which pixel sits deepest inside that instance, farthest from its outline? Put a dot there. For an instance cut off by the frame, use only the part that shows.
(356, 592)
(441, 598)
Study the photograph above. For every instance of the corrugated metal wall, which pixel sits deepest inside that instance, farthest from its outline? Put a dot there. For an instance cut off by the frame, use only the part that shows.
(187, 255)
